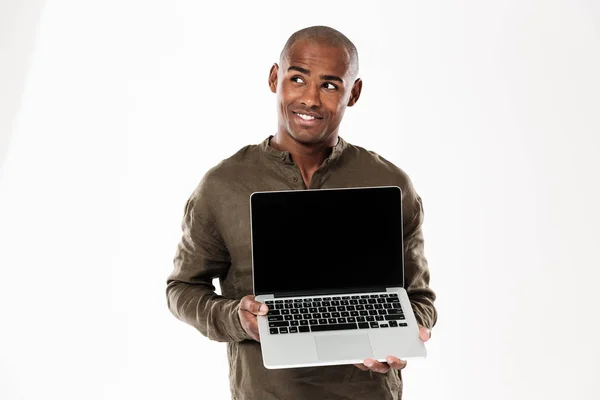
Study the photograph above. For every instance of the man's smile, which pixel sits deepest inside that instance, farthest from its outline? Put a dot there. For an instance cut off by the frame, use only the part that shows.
(309, 119)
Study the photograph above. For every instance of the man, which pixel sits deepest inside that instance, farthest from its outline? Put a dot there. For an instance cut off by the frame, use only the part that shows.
(315, 81)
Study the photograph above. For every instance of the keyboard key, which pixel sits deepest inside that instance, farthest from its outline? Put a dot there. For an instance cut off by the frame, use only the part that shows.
(298, 316)
(378, 306)
(341, 320)
(288, 317)
(354, 313)
(317, 316)
(355, 297)
(293, 329)
(336, 327)
(288, 301)
(335, 314)
(403, 324)
(393, 294)
(298, 300)
(393, 323)
(345, 297)
(305, 322)
(374, 296)
(285, 312)
(381, 300)
(379, 318)
(370, 318)
(278, 301)
(274, 331)
(345, 314)
(393, 300)
(351, 319)
(374, 325)
(273, 312)
(322, 321)
(283, 330)
(333, 320)
(278, 324)
(383, 325)
(326, 298)
(317, 299)
(275, 318)
(363, 325)
(294, 323)
(295, 311)
(313, 322)
(335, 298)
(326, 315)
(304, 329)
(394, 317)
(382, 312)
(384, 295)
(360, 319)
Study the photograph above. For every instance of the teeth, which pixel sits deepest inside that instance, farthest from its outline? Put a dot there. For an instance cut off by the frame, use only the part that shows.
(306, 117)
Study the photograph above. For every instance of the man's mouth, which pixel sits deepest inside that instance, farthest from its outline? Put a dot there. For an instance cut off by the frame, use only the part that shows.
(307, 119)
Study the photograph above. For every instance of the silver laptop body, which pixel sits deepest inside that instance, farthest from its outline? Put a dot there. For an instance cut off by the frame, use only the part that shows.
(329, 264)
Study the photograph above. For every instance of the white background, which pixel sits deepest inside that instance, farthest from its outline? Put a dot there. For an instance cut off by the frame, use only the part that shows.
(112, 111)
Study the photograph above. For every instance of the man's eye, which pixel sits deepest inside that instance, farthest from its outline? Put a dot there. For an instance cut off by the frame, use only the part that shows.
(329, 86)
(297, 79)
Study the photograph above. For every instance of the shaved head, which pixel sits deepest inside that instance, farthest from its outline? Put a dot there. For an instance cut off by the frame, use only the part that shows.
(326, 36)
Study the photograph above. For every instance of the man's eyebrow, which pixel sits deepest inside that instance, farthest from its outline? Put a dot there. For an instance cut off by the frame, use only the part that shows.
(299, 69)
(323, 77)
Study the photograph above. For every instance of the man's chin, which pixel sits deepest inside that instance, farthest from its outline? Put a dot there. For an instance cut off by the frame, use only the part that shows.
(308, 138)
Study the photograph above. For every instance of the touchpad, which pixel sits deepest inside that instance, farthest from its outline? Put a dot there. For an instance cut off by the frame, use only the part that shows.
(343, 347)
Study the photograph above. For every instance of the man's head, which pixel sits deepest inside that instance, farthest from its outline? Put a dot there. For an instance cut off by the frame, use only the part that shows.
(315, 81)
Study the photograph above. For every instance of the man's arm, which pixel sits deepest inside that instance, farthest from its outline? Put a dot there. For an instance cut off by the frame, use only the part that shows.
(416, 269)
(202, 256)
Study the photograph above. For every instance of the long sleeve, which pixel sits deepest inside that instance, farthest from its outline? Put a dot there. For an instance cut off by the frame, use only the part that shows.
(416, 269)
(202, 256)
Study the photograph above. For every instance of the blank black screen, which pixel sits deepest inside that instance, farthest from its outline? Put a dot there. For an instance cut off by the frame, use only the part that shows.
(305, 241)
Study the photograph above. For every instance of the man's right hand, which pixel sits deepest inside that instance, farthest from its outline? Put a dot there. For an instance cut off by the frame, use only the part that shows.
(248, 311)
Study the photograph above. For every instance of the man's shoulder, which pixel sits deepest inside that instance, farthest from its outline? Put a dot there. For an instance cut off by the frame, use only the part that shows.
(237, 164)
(375, 162)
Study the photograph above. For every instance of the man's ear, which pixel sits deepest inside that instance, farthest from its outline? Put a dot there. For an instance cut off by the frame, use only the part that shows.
(273, 78)
(355, 93)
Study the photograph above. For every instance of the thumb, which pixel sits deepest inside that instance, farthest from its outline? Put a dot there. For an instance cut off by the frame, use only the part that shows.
(254, 307)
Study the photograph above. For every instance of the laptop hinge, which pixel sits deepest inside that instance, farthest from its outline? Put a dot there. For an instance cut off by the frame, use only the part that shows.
(328, 292)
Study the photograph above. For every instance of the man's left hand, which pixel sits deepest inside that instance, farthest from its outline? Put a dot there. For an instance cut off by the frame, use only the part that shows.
(392, 362)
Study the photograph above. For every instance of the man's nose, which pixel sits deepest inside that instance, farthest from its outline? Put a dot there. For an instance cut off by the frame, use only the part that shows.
(311, 97)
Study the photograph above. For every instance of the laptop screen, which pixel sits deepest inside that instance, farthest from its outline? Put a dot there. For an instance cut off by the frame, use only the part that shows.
(326, 240)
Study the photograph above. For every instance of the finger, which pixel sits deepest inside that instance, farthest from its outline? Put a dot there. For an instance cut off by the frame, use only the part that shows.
(395, 362)
(361, 367)
(376, 366)
(253, 327)
(254, 307)
(424, 333)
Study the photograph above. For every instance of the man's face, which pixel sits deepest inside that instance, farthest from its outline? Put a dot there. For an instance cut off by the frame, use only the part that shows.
(314, 86)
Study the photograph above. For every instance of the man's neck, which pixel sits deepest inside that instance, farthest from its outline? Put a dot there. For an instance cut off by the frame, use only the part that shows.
(307, 157)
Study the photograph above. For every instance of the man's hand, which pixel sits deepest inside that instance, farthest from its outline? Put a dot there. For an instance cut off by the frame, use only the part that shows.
(392, 362)
(248, 311)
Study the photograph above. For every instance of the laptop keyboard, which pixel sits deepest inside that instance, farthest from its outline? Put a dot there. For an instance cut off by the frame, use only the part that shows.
(333, 313)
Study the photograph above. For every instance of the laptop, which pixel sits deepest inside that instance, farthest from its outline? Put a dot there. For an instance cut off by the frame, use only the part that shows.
(329, 265)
